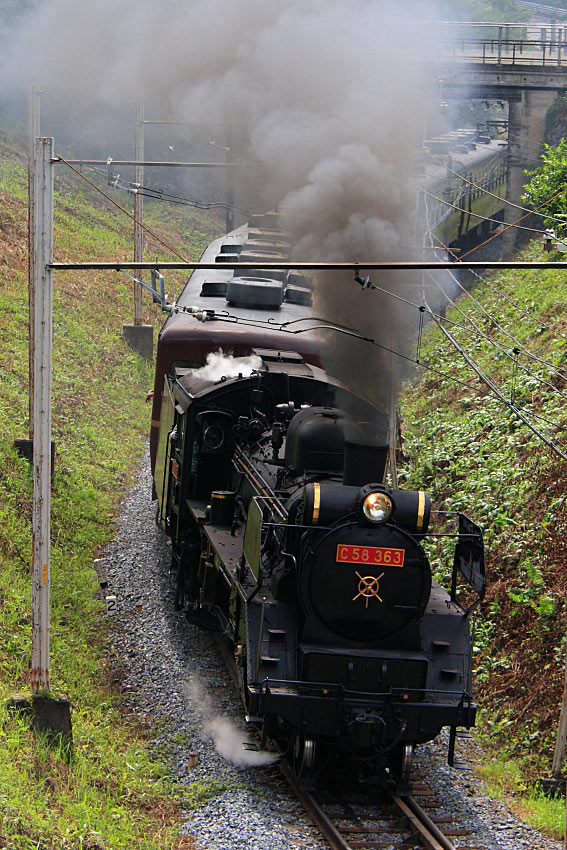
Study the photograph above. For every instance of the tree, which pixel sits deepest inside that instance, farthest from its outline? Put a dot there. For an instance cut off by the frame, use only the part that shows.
(547, 182)
(489, 10)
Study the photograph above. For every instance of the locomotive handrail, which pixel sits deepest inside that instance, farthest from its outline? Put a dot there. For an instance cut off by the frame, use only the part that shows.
(268, 493)
(466, 698)
(331, 528)
(296, 526)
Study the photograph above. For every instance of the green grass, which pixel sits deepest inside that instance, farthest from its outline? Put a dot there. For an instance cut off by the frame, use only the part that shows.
(110, 794)
(505, 781)
(473, 455)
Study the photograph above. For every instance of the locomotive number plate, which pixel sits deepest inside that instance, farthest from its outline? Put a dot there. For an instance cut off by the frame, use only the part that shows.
(370, 555)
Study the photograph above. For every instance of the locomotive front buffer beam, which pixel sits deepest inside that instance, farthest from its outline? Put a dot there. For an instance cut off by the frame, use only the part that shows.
(362, 720)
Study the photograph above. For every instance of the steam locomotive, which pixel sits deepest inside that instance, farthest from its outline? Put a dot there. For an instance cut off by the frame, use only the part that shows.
(270, 482)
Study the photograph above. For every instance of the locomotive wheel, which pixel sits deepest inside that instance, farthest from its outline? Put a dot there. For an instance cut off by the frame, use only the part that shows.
(177, 571)
(406, 763)
(304, 754)
(401, 768)
(179, 590)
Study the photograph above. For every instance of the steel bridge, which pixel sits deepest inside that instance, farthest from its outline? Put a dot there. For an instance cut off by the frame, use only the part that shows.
(478, 59)
(522, 64)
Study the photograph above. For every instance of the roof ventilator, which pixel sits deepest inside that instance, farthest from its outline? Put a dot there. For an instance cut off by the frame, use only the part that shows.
(227, 258)
(298, 295)
(210, 288)
(254, 292)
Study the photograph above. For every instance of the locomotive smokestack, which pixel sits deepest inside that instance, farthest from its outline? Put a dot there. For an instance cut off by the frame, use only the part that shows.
(364, 464)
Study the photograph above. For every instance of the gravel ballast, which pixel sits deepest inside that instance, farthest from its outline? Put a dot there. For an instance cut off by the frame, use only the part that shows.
(173, 677)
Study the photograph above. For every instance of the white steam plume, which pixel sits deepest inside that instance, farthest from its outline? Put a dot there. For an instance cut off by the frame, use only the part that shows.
(226, 736)
(229, 743)
(220, 365)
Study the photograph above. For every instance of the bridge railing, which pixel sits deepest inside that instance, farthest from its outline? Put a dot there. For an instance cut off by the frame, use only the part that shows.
(508, 52)
(502, 44)
(551, 12)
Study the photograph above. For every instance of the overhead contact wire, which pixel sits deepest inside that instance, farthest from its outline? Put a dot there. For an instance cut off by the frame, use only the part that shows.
(494, 342)
(187, 202)
(422, 309)
(497, 392)
(159, 194)
(125, 211)
(506, 298)
(356, 335)
(485, 218)
(515, 224)
(515, 409)
(502, 348)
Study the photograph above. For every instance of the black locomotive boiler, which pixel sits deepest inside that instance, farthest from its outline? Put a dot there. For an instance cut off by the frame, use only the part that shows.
(286, 539)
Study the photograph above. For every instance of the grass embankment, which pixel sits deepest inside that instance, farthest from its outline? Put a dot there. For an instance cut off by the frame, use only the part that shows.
(473, 455)
(109, 794)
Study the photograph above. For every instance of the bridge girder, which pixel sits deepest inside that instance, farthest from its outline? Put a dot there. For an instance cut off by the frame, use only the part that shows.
(499, 82)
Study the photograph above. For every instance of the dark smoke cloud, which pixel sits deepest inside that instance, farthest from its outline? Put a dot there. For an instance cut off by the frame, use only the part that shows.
(329, 97)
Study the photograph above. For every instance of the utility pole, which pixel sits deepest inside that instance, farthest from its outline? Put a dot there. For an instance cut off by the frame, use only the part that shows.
(41, 345)
(139, 206)
(138, 336)
(48, 713)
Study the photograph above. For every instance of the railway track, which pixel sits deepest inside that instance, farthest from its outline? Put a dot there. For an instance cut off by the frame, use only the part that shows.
(364, 820)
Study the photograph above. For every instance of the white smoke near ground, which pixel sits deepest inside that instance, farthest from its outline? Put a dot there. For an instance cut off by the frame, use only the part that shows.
(326, 98)
(227, 738)
(229, 743)
(220, 365)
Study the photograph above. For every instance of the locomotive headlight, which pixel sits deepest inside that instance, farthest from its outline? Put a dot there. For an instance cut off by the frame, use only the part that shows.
(377, 507)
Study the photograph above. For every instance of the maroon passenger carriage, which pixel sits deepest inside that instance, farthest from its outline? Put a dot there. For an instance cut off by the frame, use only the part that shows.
(252, 295)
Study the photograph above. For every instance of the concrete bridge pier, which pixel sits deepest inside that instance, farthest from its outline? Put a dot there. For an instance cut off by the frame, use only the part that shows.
(526, 132)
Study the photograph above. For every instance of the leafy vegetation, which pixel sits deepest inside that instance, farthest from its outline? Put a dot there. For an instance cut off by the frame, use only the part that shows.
(109, 793)
(489, 10)
(474, 455)
(548, 184)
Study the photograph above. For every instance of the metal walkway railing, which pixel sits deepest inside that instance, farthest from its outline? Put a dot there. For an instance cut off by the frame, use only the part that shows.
(501, 44)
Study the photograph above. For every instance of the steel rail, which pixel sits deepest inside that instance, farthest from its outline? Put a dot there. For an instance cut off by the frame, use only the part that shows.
(428, 831)
(270, 265)
(315, 812)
